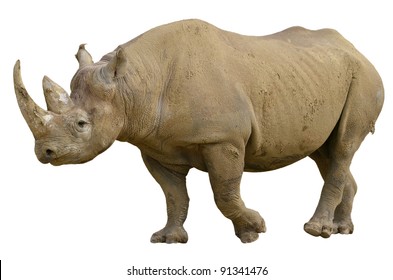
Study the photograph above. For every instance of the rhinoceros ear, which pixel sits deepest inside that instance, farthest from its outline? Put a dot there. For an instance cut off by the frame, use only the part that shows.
(83, 56)
(117, 66)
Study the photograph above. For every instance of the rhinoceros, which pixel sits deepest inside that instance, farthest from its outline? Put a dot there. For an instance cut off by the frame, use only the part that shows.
(190, 95)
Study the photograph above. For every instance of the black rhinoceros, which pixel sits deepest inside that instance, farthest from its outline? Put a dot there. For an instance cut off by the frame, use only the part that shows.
(188, 94)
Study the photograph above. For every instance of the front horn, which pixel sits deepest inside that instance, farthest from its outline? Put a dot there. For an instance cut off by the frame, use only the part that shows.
(36, 117)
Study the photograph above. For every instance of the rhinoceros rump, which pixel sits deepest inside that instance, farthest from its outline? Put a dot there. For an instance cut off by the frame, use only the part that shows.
(188, 94)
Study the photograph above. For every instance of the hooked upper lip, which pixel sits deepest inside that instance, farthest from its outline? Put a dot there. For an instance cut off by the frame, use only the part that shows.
(52, 161)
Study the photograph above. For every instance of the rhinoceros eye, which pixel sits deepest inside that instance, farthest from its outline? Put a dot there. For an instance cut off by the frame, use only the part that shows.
(81, 125)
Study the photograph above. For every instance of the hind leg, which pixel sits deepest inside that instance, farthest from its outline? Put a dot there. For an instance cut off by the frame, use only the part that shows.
(322, 222)
(361, 110)
(342, 222)
(342, 216)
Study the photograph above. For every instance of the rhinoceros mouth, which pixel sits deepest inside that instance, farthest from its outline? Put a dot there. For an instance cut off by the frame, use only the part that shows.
(43, 160)
(56, 161)
(67, 158)
(63, 160)
(52, 152)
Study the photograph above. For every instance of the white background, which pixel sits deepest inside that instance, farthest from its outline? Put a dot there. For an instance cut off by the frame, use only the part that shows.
(94, 221)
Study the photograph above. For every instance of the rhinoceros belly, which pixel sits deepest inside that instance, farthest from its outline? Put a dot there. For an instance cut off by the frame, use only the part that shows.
(297, 110)
(287, 141)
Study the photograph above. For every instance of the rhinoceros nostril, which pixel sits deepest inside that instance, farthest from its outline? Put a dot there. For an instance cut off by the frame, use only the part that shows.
(49, 153)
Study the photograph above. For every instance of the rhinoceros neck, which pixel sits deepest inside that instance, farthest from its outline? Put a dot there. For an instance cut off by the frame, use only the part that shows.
(143, 88)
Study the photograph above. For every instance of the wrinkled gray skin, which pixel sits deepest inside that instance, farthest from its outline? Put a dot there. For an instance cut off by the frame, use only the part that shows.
(188, 94)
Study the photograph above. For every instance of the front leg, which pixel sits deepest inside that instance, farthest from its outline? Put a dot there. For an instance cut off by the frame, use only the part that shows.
(174, 186)
(225, 164)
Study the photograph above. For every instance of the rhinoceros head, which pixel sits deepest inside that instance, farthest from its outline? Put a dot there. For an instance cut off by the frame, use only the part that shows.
(76, 127)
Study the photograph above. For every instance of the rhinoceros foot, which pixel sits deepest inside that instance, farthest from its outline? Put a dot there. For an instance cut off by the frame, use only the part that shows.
(343, 227)
(325, 230)
(316, 228)
(249, 225)
(172, 234)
